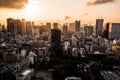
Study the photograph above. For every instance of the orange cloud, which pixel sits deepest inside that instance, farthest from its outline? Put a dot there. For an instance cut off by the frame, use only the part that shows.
(14, 4)
(98, 2)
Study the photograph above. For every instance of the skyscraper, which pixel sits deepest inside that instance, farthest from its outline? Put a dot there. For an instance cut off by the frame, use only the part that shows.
(65, 31)
(55, 25)
(29, 26)
(99, 27)
(48, 28)
(23, 25)
(10, 25)
(106, 30)
(17, 27)
(88, 30)
(112, 30)
(14, 26)
(55, 40)
(77, 26)
(72, 27)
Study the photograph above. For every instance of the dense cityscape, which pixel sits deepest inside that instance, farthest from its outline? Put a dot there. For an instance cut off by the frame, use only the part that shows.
(47, 52)
(59, 39)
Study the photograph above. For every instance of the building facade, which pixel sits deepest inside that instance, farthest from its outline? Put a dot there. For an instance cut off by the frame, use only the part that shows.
(48, 28)
(88, 30)
(72, 27)
(65, 31)
(17, 27)
(29, 27)
(99, 27)
(113, 30)
(55, 25)
(23, 24)
(77, 26)
(14, 26)
(55, 40)
(10, 25)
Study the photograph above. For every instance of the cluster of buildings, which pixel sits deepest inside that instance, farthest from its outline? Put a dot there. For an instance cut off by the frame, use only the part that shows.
(23, 27)
(24, 45)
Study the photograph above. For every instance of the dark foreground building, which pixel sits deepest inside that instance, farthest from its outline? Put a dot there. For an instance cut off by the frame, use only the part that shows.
(55, 40)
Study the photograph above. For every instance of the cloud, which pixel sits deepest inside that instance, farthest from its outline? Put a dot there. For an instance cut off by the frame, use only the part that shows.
(98, 2)
(13, 4)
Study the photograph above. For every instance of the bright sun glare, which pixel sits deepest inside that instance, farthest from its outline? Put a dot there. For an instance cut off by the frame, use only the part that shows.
(31, 9)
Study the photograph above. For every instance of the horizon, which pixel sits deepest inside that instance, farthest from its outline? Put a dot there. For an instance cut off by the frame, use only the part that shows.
(87, 11)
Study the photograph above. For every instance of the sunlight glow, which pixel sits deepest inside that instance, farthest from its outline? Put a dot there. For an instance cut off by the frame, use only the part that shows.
(31, 9)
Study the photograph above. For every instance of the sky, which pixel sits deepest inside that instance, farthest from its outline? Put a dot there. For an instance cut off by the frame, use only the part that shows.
(61, 10)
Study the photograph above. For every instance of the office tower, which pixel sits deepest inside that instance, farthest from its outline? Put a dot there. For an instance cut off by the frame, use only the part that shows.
(106, 30)
(112, 30)
(55, 40)
(17, 27)
(29, 27)
(14, 26)
(48, 28)
(65, 31)
(99, 27)
(74, 41)
(77, 26)
(55, 26)
(23, 25)
(10, 25)
(72, 27)
(88, 30)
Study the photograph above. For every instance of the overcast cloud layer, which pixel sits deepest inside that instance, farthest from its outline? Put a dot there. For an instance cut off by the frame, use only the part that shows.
(15, 4)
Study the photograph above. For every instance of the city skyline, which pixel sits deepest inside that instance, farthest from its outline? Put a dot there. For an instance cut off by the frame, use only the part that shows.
(61, 11)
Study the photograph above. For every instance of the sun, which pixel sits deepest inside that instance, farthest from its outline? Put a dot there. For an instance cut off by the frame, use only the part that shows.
(31, 10)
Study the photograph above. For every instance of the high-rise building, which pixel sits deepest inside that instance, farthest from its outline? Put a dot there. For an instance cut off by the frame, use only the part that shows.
(55, 26)
(48, 28)
(99, 27)
(77, 26)
(29, 27)
(23, 24)
(72, 27)
(88, 30)
(17, 27)
(65, 31)
(10, 25)
(112, 30)
(55, 40)
(106, 30)
(14, 26)
(74, 40)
